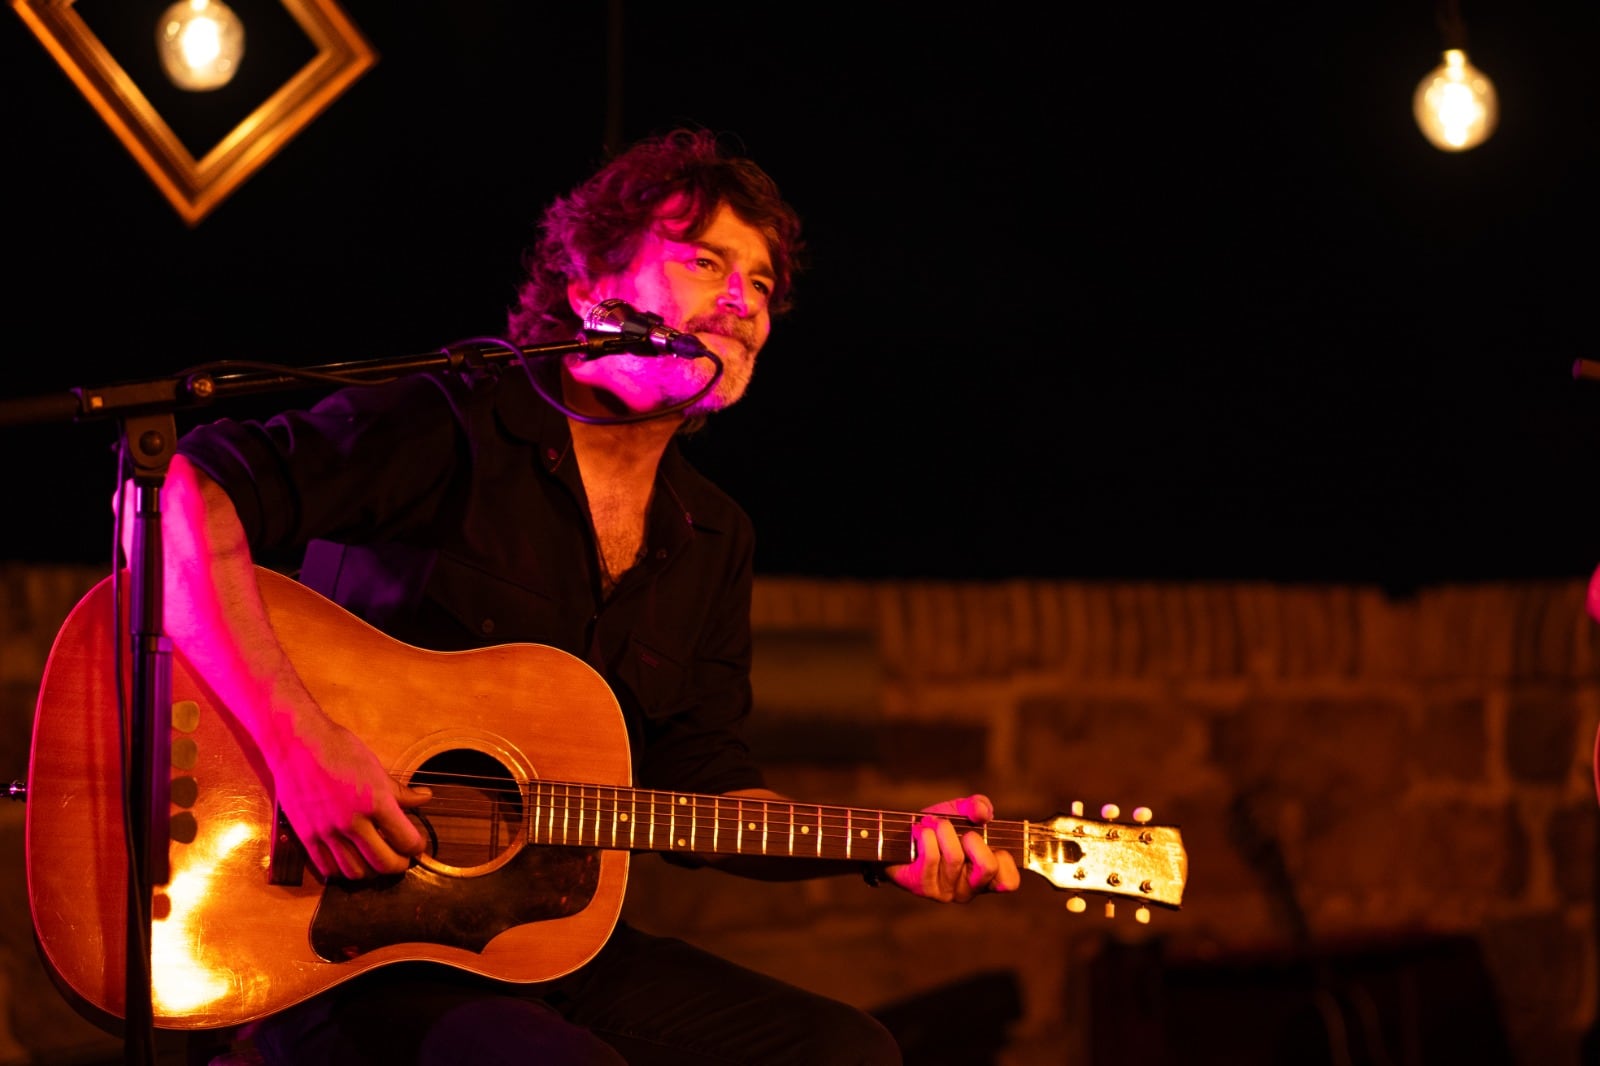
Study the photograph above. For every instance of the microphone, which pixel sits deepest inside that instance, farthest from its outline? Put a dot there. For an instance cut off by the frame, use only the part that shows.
(618, 316)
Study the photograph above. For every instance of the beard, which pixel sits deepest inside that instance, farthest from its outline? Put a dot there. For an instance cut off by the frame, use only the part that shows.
(737, 370)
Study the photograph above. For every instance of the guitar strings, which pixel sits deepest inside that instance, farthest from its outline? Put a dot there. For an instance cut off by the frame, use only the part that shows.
(617, 817)
(655, 809)
(538, 785)
(835, 824)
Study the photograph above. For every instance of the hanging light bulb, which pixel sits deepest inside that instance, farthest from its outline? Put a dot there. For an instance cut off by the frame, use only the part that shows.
(201, 43)
(1455, 104)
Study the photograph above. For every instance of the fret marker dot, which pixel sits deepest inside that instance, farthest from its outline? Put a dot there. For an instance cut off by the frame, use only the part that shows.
(622, 817)
(804, 830)
(752, 825)
(681, 842)
(682, 800)
(863, 834)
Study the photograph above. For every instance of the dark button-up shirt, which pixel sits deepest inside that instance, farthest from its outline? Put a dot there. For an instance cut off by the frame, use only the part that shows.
(448, 511)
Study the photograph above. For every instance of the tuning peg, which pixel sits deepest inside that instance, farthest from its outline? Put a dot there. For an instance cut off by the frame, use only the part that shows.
(1077, 808)
(1111, 909)
(1143, 815)
(1142, 915)
(1110, 812)
(1076, 904)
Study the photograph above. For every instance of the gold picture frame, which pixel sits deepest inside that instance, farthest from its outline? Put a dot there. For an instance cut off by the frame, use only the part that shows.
(196, 186)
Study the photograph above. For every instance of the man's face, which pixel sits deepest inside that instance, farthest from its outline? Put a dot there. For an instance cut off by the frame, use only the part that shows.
(716, 286)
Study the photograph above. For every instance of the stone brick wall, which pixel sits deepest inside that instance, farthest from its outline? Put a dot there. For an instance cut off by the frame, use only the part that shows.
(1387, 803)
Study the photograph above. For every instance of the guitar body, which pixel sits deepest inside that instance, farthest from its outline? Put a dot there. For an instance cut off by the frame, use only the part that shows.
(228, 944)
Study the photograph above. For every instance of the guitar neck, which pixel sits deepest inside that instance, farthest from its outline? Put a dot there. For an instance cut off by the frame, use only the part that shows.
(632, 819)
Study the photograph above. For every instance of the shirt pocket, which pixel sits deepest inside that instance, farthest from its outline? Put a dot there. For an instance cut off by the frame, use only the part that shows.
(656, 680)
(488, 609)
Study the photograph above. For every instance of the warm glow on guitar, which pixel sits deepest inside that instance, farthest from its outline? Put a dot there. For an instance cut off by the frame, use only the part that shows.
(529, 830)
(187, 984)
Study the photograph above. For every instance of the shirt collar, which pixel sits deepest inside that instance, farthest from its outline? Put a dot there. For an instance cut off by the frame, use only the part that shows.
(683, 499)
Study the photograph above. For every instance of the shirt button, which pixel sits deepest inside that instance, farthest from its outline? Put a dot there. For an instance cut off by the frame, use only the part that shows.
(487, 626)
(661, 553)
(550, 454)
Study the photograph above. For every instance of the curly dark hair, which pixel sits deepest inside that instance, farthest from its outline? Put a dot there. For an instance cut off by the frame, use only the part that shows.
(595, 230)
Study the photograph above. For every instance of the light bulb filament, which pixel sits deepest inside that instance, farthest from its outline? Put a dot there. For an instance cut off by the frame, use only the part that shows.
(1455, 104)
(201, 43)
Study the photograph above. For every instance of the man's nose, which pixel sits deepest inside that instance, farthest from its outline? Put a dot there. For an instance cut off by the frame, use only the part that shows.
(732, 297)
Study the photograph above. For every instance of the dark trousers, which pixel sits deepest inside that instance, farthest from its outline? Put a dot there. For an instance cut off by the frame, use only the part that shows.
(643, 1001)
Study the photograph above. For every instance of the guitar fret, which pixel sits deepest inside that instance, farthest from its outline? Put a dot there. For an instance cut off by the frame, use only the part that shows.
(533, 815)
(633, 819)
(538, 810)
(819, 832)
(615, 810)
(580, 814)
(766, 818)
(716, 824)
(880, 836)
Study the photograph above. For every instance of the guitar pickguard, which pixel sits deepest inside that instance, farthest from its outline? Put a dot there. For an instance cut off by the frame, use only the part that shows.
(426, 906)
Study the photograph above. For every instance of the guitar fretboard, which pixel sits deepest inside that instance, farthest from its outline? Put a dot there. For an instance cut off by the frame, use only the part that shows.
(601, 816)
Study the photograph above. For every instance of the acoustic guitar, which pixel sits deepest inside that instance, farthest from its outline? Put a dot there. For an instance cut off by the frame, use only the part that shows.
(529, 832)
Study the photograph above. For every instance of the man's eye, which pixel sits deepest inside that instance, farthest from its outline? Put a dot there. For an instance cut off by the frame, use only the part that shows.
(702, 263)
(762, 287)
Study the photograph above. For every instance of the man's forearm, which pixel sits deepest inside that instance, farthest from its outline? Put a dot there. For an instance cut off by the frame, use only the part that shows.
(214, 612)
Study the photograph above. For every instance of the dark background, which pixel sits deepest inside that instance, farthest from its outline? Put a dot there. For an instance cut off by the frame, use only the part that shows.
(1096, 290)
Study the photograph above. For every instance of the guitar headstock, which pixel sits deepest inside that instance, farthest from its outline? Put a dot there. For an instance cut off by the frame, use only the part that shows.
(1107, 857)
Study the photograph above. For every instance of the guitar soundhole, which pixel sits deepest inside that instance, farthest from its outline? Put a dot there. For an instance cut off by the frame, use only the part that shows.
(476, 811)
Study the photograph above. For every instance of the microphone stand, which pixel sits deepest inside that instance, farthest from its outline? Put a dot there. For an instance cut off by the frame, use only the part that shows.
(145, 411)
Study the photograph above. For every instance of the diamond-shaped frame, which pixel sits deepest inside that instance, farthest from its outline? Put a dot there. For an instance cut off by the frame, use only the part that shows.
(195, 187)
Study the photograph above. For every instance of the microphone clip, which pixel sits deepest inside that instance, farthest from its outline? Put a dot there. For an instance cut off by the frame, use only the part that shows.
(655, 337)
